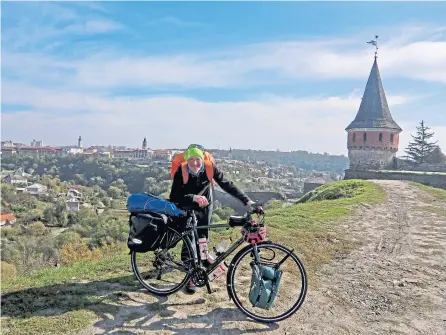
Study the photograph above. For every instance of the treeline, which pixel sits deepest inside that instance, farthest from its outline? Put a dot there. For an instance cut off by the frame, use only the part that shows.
(117, 177)
(300, 159)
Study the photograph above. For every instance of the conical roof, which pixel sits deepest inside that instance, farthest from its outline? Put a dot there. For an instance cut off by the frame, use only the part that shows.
(374, 111)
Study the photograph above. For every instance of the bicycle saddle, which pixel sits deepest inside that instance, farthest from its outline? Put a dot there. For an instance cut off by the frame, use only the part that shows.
(235, 221)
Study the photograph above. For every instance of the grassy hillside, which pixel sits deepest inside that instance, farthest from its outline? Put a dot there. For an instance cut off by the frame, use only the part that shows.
(64, 300)
(438, 193)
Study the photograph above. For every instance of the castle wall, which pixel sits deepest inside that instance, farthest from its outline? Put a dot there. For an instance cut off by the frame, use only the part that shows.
(228, 200)
(401, 164)
(370, 158)
(426, 178)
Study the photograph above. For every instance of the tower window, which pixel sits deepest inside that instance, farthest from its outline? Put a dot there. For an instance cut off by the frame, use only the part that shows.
(364, 137)
(391, 138)
(380, 137)
(354, 137)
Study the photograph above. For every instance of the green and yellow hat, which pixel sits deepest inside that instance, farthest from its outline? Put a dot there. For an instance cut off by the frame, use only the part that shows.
(192, 151)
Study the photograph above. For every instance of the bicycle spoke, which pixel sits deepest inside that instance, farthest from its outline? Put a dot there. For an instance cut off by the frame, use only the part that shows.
(293, 283)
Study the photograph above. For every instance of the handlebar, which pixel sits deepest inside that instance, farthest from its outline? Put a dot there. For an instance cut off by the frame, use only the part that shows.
(256, 208)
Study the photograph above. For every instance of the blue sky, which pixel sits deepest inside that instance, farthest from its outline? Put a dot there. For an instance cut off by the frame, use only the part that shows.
(262, 75)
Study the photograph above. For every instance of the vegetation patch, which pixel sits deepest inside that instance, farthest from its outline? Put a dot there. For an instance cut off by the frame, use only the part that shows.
(344, 189)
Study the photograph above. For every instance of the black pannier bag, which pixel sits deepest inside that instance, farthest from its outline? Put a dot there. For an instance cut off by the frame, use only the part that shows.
(147, 232)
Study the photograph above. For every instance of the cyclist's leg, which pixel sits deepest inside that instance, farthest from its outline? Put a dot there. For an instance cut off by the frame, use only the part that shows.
(202, 220)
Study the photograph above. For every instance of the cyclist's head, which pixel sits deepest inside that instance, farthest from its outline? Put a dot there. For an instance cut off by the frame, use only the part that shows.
(194, 157)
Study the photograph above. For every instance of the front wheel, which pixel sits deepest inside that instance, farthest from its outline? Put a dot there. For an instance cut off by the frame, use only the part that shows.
(293, 283)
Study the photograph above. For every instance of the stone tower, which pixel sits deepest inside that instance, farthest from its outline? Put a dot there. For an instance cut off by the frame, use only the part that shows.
(144, 143)
(373, 136)
(79, 142)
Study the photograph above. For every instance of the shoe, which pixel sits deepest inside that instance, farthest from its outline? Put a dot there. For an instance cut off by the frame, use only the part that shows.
(190, 287)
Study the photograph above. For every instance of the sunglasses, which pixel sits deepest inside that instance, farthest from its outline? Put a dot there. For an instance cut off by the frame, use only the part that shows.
(198, 146)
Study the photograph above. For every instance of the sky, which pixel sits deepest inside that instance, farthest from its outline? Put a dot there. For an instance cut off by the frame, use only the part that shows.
(247, 75)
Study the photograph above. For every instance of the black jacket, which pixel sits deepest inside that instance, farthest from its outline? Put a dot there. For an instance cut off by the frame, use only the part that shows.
(182, 194)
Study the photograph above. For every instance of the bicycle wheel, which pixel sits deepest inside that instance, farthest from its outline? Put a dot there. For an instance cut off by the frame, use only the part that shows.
(293, 285)
(164, 271)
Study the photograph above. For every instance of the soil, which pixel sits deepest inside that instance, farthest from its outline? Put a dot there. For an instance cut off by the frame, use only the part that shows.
(395, 283)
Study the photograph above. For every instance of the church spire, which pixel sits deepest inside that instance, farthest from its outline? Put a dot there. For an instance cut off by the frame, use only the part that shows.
(374, 111)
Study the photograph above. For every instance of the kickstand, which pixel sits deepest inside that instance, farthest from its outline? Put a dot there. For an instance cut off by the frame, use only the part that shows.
(208, 286)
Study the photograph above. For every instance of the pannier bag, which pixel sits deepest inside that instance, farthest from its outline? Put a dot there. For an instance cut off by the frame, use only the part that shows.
(146, 202)
(265, 284)
(147, 232)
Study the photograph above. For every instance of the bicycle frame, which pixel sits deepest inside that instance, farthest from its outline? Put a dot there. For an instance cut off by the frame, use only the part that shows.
(191, 236)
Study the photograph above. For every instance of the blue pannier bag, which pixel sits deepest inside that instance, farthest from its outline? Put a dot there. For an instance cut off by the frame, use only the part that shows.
(146, 202)
(265, 284)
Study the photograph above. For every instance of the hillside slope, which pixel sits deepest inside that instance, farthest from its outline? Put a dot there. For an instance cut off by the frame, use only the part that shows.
(392, 281)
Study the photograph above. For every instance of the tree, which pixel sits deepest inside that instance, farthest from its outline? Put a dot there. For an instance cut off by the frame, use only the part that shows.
(422, 146)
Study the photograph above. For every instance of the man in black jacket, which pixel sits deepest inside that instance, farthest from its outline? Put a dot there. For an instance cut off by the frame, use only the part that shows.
(196, 193)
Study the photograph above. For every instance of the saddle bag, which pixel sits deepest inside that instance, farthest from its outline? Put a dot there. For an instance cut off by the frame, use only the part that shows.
(147, 232)
(265, 284)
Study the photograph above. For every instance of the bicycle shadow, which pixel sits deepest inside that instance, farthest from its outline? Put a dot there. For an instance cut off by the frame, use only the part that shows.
(123, 307)
(216, 321)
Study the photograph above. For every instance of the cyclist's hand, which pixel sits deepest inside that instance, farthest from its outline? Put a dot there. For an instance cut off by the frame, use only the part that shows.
(201, 200)
(257, 208)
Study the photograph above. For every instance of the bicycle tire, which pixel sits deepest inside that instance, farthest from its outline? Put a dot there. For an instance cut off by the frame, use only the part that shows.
(230, 283)
(148, 287)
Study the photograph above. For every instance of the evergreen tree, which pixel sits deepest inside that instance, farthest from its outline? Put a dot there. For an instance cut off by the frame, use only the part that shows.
(422, 146)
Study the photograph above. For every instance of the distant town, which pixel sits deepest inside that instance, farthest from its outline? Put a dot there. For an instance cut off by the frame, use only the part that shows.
(10, 148)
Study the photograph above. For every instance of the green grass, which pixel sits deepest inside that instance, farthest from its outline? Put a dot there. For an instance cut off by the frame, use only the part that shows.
(73, 297)
(437, 193)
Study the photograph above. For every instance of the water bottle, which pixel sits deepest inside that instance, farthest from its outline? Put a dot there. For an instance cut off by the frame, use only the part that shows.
(222, 247)
(203, 245)
(218, 271)
(218, 250)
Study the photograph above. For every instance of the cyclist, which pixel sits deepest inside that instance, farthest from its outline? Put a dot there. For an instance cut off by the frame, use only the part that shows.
(197, 195)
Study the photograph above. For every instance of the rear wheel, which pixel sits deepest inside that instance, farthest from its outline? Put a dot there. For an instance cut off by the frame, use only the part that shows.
(164, 271)
(293, 285)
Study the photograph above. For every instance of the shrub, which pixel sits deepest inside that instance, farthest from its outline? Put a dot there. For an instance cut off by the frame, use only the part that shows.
(8, 271)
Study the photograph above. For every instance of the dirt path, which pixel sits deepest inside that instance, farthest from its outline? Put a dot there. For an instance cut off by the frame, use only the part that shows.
(394, 284)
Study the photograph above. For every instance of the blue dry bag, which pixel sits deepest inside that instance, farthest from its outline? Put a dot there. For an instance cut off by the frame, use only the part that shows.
(146, 202)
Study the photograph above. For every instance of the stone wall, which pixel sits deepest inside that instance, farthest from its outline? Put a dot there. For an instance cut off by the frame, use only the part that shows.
(401, 164)
(368, 158)
(228, 200)
(427, 178)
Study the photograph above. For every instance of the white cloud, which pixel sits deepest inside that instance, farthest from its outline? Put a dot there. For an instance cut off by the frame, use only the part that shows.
(174, 21)
(38, 25)
(313, 124)
(416, 56)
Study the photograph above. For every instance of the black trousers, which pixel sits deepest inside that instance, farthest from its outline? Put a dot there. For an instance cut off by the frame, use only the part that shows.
(204, 218)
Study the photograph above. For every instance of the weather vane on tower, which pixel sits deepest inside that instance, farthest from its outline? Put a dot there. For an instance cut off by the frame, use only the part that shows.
(375, 43)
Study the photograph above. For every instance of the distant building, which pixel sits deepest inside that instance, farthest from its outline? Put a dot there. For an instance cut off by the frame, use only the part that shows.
(35, 143)
(15, 179)
(7, 219)
(314, 181)
(36, 189)
(8, 151)
(39, 150)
